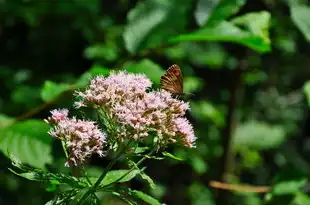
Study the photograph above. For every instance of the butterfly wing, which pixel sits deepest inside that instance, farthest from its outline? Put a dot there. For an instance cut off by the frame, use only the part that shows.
(172, 80)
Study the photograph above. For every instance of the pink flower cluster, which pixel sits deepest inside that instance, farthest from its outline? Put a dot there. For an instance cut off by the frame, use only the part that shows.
(82, 138)
(123, 97)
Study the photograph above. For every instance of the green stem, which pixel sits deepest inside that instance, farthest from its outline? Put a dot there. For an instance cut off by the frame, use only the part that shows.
(64, 148)
(132, 168)
(104, 173)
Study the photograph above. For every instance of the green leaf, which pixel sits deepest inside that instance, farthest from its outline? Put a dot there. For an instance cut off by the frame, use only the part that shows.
(33, 176)
(146, 66)
(95, 70)
(288, 187)
(192, 84)
(307, 91)
(198, 164)
(102, 51)
(300, 15)
(257, 23)
(225, 9)
(98, 70)
(258, 135)
(204, 110)
(167, 154)
(28, 141)
(301, 199)
(204, 9)
(114, 175)
(51, 90)
(5, 121)
(26, 95)
(148, 179)
(151, 22)
(146, 198)
(225, 32)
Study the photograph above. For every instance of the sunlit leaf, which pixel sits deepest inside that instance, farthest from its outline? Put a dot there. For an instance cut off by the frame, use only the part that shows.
(300, 15)
(225, 9)
(204, 9)
(147, 67)
(102, 51)
(114, 175)
(148, 179)
(150, 23)
(192, 84)
(51, 90)
(205, 111)
(225, 32)
(26, 95)
(28, 141)
(146, 198)
(167, 154)
(257, 23)
(258, 135)
(198, 164)
(288, 187)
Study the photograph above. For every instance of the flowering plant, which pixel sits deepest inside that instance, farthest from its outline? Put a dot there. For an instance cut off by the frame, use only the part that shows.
(131, 121)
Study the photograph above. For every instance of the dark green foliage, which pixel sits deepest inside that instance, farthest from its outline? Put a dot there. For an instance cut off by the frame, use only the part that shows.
(257, 51)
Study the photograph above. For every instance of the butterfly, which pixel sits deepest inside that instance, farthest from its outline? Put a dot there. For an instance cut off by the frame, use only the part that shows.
(172, 80)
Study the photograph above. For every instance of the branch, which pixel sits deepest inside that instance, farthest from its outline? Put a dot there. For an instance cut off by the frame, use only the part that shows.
(227, 133)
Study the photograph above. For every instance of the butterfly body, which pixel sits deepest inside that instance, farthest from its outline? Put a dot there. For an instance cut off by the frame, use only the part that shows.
(172, 80)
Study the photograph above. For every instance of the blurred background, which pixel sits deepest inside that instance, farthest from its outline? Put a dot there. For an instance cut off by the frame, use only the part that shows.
(245, 64)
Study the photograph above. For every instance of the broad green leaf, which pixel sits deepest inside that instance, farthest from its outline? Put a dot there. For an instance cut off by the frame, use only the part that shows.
(28, 141)
(257, 23)
(205, 111)
(146, 198)
(5, 121)
(26, 96)
(95, 70)
(258, 135)
(307, 91)
(210, 55)
(198, 164)
(102, 51)
(114, 175)
(151, 22)
(288, 187)
(204, 9)
(98, 70)
(33, 176)
(301, 199)
(200, 194)
(148, 179)
(225, 9)
(167, 154)
(192, 84)
(254, 77)
(300, 15)
(51, 90)
(146, 66)
(225, 32)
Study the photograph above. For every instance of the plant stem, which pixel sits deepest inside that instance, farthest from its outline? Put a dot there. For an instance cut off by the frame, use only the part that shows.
(132, 168)
(226, 160)
(104, 173)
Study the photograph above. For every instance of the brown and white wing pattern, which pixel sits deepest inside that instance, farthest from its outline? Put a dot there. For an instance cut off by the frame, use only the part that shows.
(172, 80)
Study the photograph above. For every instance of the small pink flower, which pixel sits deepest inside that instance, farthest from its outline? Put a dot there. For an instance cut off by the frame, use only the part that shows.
(184, 130)
(57, 116)
(124, 100)
(81, 137)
